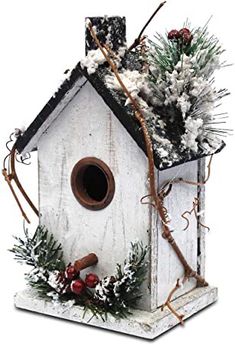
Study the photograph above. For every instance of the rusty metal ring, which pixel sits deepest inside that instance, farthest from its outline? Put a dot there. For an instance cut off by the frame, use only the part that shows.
(80, 192)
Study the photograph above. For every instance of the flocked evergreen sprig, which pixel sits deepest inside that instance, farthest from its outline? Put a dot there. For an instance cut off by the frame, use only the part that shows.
(53, 280)
(121, 292)
(43, 253)
(181, 68)
(167, 50)
(40, 250)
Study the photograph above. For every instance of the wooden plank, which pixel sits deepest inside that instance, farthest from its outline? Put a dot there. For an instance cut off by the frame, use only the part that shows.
(201, 218)
(87, 127)
(180, 199)
(154, 235)
(140, 323)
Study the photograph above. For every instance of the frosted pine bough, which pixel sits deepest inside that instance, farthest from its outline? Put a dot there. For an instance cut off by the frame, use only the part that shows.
(123, 289)
(176, 92)
(183, 83)
(113, 295)
(181, 78)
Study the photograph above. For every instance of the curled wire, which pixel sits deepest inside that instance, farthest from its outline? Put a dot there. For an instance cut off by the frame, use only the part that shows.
(10, 140)
(146, 202)
(165, 214)
(23, 159)
(193, 210)
(164, 192)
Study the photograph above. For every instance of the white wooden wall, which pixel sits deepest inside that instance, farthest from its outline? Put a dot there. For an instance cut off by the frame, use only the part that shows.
(201, 218)
(169, 269)
(87, 127)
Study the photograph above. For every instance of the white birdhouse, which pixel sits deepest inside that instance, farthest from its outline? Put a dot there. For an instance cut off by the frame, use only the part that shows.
(94, 177)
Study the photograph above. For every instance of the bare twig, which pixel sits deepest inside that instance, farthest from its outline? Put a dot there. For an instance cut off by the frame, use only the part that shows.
(8, 179)
(112, 54)
(15, 177)
(10, 174)
(169, 305)
(137, 41)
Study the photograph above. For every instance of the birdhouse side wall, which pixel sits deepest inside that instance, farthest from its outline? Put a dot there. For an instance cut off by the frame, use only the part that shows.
(180, 199)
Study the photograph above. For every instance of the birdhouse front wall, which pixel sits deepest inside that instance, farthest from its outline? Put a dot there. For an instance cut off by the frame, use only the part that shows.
(87, 128)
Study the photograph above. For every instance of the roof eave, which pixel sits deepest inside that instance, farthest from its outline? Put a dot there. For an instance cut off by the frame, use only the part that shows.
(28, 141)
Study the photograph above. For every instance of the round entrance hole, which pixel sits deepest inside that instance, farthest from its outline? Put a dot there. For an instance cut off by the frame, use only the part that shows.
(92, 183)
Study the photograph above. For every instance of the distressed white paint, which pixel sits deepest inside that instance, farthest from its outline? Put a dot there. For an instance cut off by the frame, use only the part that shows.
(201, 218)
(180, 199)
(32, 144)
(86, 127)
(143, 324)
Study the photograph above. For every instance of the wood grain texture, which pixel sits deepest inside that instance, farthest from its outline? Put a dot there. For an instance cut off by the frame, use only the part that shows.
(180, 199)
(87, 127)
(34, 132)
(201, 218)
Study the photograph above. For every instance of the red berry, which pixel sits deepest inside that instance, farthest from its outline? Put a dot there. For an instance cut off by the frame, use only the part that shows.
(187, 38)
(184, 31)
(70, 272)
(173, 34)
(77, 286)
(91, 280)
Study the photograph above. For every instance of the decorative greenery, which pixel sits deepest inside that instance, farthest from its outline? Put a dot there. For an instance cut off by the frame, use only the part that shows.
(166, 53)
(121, 292)
(43, 253)
(52, 279)
(181, 68)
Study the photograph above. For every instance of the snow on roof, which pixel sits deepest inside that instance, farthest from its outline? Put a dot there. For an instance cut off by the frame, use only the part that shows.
(172, 144)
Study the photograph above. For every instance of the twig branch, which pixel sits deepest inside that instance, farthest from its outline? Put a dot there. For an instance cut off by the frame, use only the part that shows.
(12, 175)
(137, 41)
(15, 177)
(8, 179)
(169, 305)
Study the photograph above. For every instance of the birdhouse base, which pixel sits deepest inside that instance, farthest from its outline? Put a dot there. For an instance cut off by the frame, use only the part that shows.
(143, 324)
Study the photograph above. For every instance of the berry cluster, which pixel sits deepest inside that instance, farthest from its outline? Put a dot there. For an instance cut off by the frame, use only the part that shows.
(184, 35)
(72, 282)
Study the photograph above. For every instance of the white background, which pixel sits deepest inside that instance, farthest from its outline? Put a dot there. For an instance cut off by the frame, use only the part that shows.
(39, 41)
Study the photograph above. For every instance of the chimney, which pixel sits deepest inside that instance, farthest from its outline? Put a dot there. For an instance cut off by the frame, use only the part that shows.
(109, 30)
